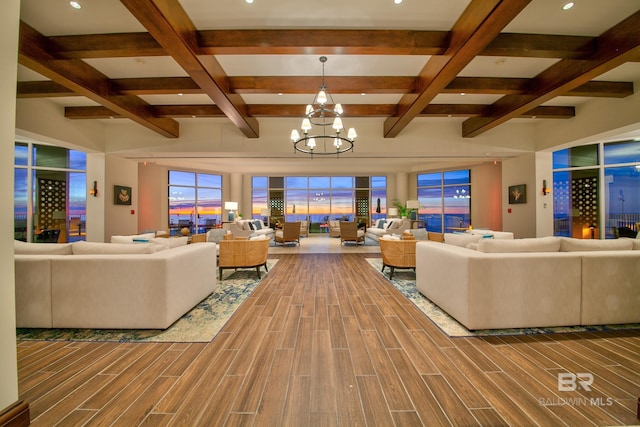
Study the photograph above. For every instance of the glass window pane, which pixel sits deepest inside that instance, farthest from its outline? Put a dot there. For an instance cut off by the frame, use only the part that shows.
(342, 204)
(208, 180)
(296, 182)
(575, 200)
(259, 182)
(182, 204)
(182, 178)
(50, 157)
(297, 204)
(622, 152)
(20, 204)
(379, 182)
(622, 201)
(430, 179)
(77, 160)
(342, 182)
(319, 182)
(457, 177)
(209, 208)
(457, 208)
(584, 155)
(21, 154)
(431, 208)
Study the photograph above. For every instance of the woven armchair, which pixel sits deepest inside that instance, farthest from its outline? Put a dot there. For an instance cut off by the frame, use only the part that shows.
(334, 228)
(349, 232)
(398, 254)
(243, 254)
(304, 228)
(290, 233)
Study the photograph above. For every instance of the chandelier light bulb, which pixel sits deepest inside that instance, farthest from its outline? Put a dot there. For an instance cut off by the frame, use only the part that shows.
(312, 143)
(352, 134)
(337, 143)
(337, 124)
(309, 109)
(306, 124)
(322, 97)
(295, 135)
(338, 109)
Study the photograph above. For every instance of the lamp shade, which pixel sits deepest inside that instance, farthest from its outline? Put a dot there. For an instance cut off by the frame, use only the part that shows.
(413, 204)
(392, 211)
(231, 206)
(265, 212)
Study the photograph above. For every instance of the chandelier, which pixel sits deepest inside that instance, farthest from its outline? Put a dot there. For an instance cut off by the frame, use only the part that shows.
(319, 115)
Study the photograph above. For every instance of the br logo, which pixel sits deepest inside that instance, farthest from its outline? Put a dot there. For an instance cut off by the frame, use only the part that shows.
(572, 382)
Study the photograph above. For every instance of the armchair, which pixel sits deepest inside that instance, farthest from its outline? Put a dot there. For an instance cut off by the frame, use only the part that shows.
(334, 228)
(243, 254)
(304, 228)
(349, 232)
(398, 253)
(290, 233)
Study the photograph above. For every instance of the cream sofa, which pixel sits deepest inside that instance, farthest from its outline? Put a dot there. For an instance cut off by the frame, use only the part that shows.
(533, 282)
(249, 228)
(387, 226)
(110, 285)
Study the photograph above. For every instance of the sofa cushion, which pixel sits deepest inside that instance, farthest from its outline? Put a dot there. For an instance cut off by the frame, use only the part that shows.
(170, 242)
(461, 239)
(574, 245)
(134, 238)
(258, 237)
(93, 248)
(381, 224)
(24, 248)
(390, 237)
(257, 224)
(539, 244)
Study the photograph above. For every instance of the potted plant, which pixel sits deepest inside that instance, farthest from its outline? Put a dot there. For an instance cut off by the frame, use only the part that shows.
(402, 209)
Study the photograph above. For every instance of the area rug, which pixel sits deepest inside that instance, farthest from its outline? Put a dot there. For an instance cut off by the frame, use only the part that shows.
(200, 324)
(405, 282)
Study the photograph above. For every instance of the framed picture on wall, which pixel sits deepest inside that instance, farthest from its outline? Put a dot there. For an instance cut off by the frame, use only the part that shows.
(517, 194)
(121, 195)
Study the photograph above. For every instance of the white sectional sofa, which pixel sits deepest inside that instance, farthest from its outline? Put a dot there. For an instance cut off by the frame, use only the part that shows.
(387, 226)
(110, 285)
(533, 282)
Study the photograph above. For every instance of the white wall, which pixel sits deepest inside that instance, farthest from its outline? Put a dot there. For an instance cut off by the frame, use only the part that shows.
(519, 218)
(486, 196)
(153, 203)
(118, 218)
(9, 19)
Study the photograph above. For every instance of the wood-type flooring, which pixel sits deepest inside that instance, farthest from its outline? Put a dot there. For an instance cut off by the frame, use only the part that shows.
(325, 340)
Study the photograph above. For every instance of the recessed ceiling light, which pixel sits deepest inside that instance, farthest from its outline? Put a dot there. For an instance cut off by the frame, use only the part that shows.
(249, 1)
(568, 5)
(363, 94)
(180, 94)
(75, 5)
(462, 94)
(397, 1)
(280, 93)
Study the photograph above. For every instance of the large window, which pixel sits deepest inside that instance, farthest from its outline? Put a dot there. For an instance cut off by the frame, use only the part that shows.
(195, 201)
(318, 199)
(50, 193)
(596, 190)
(445, 200)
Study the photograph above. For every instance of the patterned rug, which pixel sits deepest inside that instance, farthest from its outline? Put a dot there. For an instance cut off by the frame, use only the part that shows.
(200, 324)
(405, 282)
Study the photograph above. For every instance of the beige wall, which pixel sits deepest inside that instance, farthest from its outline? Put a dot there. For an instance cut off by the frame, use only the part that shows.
(521, 220)
(486, 196)
(9, 19)
(118, 218)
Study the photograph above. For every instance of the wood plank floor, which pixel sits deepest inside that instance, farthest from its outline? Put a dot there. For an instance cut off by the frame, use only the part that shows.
(326, 340)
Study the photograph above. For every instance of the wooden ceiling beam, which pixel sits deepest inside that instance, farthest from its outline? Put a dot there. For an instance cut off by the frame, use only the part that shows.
(81, 78)
(291, 110)
(171, 27)
(479, 24)
(325, 42)
(336, 85)
(616, 46)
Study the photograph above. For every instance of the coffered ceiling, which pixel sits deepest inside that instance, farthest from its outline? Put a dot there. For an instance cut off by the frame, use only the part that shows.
(164, 64)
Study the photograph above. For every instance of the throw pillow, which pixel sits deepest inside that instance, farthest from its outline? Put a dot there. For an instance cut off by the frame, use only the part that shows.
(258, 224)
(252, 225)
(216, 235)
(381, 223)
